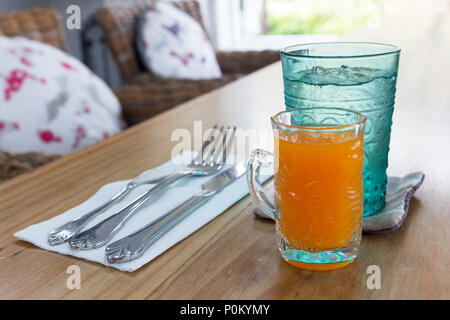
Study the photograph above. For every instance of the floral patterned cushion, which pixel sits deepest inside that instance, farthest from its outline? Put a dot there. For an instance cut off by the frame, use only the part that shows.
(50, 102)
(172, 44)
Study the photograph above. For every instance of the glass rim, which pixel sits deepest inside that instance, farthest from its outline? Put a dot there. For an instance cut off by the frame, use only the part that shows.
(362, 120)
(394, 50)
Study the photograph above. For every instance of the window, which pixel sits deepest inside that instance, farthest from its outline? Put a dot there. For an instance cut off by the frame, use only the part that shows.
(287, 17)
(272, 24)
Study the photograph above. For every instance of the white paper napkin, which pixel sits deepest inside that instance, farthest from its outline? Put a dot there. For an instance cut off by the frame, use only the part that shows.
(179, 192)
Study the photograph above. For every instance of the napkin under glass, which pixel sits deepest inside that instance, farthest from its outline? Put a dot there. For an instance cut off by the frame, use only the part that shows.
(399, 191)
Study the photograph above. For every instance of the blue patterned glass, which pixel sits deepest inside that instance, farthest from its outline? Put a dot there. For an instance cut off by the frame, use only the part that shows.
(354, 75)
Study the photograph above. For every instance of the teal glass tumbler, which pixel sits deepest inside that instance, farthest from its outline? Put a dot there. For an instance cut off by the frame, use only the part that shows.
(360, 76)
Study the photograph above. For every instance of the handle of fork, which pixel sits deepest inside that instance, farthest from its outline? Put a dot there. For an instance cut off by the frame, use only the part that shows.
(101, 233)
(66, 231)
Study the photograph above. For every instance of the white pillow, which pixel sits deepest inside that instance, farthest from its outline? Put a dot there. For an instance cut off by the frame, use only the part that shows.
(50, 102)
(172, 44)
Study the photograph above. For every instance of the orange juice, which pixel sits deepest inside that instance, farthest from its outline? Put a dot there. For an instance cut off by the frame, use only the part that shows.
(319, 194)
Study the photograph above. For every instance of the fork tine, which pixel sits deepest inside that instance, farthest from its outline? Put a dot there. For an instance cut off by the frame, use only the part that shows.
(225, 145)
(207, 142)
(212, 150)
(226, 151)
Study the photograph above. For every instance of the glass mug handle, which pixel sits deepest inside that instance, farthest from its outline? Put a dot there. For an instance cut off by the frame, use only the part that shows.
(258, 158)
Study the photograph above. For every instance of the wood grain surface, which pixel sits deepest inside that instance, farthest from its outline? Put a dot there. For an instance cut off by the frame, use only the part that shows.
(235, 256)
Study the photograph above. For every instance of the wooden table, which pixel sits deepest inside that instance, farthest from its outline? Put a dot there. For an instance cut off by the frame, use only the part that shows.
(235, 255)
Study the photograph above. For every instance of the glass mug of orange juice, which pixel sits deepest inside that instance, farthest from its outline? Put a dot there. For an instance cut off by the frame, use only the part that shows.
(318, 201)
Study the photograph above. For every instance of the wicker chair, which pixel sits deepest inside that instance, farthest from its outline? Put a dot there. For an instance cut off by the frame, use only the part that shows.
(43, 25)
(143, 94)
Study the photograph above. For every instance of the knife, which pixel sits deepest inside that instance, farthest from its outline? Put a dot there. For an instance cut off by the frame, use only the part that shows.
(133, 246)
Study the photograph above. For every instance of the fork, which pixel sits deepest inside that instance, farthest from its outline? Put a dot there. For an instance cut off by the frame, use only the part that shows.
(206, 163)
(63, 233)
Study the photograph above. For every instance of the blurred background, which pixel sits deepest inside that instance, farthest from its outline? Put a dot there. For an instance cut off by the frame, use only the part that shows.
(253, 24)
(245, 35)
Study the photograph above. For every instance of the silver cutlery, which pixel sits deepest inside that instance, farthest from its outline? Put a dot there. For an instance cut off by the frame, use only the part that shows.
(134, 245)
(206, 163)
(63, 233)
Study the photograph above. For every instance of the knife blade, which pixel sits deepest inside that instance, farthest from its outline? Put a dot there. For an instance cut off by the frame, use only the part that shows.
(136, 244)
